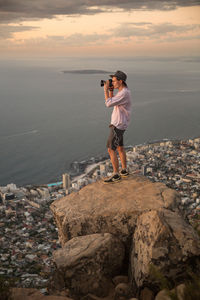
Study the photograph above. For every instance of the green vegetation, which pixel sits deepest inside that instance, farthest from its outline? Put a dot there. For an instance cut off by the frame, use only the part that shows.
(192, 286)
(160, 280)
(5, 285)
(196, 224)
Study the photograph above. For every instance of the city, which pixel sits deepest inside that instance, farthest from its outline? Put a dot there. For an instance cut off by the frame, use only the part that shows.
(28, 232)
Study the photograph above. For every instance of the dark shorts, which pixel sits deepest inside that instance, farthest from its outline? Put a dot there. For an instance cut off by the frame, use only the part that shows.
(115, 138)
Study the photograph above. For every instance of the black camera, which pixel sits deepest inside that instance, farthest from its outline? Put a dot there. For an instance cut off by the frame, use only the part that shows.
(103, 81)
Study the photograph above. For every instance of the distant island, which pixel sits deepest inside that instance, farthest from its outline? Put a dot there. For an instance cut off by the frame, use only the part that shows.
(88, 71)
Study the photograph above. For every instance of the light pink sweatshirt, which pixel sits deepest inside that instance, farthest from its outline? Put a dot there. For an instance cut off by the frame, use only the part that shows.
(122, 108)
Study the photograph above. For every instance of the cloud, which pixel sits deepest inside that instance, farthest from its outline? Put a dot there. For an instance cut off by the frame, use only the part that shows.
(163, 32)
(85, 40)
(74, 40)
(182, 38)
(7, 31)
(18, 10)
(155, 31)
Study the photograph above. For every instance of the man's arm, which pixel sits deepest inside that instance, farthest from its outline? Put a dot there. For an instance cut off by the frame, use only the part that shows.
(119, 99)
(108, 92)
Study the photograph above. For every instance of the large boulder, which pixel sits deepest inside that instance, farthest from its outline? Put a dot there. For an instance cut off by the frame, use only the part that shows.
(32, 294)
(88, 263)
(100, 208)
(163, 239)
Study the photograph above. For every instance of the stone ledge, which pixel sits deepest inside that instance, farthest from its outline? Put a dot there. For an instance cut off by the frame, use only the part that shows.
(113, 208)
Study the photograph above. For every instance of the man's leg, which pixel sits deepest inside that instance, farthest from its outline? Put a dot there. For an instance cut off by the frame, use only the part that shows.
(114, 160)
(113, 156)
(115, 163)
(122, 155)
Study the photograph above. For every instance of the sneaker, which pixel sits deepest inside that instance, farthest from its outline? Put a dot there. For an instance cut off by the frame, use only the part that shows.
(124, 173)
(113, 178)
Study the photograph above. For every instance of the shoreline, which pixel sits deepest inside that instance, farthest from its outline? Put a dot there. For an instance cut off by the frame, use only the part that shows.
(100, 158)
(28, 225)
(92, 161)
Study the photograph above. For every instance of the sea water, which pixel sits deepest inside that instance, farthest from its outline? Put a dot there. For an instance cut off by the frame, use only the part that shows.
(49, 118)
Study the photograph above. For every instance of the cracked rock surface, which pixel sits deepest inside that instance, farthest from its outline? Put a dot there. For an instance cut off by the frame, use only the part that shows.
(165, 240)
(100, 208)
(88, 262)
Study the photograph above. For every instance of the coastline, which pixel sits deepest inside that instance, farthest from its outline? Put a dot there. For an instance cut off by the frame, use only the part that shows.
(29, 234)
(87, 165)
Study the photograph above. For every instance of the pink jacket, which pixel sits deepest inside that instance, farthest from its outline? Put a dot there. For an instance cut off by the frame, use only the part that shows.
(122, 108)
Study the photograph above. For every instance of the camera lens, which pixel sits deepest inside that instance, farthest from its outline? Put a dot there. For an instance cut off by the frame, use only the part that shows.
(102, 82)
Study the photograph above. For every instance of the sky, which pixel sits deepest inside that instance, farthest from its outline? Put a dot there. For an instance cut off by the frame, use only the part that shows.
(99, 28)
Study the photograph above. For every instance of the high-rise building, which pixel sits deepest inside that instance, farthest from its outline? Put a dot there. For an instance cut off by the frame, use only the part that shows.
(144, 170)
(66, 181)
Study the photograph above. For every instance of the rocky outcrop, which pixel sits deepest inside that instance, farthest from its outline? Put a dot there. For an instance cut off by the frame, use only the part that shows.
(165, 240)
(101, 208)
(178, 292)
(141, 215)
(89, 262)
(32, 294)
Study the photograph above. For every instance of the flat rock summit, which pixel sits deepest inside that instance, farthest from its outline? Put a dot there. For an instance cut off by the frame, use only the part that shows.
(113, 208)
(129, 228)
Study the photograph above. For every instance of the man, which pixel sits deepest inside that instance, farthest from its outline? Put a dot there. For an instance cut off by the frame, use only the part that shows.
(119, 122)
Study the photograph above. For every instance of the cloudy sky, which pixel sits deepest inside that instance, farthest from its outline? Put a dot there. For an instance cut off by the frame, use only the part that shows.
(99, 27)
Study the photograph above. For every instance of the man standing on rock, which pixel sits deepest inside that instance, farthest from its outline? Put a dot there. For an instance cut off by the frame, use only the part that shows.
(120, 119)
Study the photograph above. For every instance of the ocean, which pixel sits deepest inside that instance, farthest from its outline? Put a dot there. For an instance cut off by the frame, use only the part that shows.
(50, 118)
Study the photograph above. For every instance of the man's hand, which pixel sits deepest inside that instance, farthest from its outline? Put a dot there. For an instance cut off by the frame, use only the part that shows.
(108, 91)
(106, 86)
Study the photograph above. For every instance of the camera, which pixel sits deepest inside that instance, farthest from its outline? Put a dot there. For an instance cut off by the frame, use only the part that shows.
(103, 81)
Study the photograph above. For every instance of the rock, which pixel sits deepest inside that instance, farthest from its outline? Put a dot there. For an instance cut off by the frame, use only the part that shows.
(178, 292)
(56, 283)
(91, 297)
(33, 294)
(54, 298)
(180, 289)
(120, 279)
(25, 294)
(164, 239)
(100, 208)
(122, 291)
(110, 296)
(163, 295)
(88, 262)
(146, 294)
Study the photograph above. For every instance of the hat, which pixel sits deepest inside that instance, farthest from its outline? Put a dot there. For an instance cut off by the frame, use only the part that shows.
(120, 75)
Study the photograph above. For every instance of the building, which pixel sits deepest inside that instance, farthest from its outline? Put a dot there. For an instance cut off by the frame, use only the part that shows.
(66, 181)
